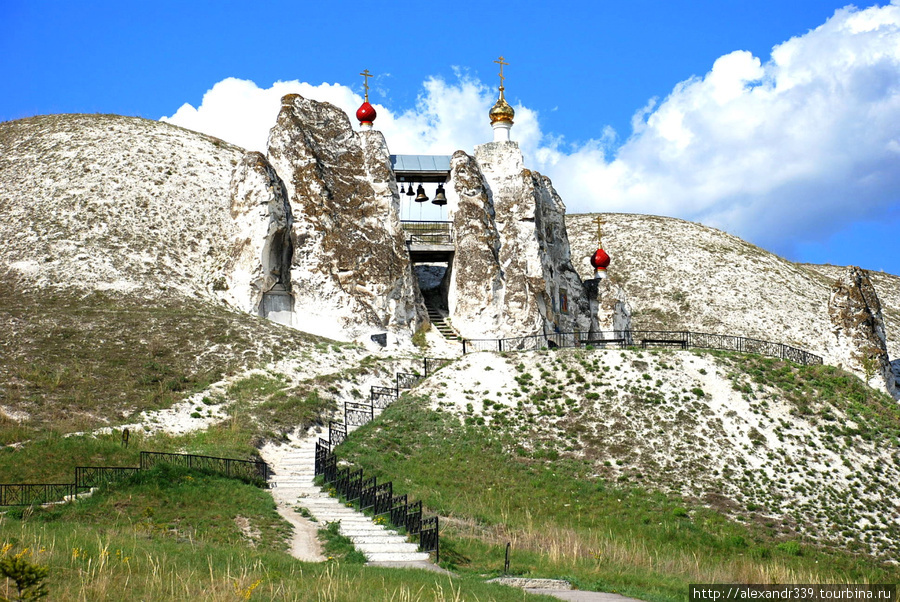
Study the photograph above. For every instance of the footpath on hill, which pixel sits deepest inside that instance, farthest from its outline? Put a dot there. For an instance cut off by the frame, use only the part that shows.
(293, 488)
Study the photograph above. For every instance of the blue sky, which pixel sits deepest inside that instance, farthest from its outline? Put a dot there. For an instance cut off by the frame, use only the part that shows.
(799, 154)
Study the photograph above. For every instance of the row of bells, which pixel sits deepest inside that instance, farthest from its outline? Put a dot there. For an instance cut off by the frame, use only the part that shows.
(440, 199)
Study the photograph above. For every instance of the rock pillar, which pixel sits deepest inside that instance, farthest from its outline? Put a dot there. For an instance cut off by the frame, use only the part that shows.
(858, 328)
(351, 275)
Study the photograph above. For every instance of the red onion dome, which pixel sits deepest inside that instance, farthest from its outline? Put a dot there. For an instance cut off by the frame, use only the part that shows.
(366, 113)
(600, 260)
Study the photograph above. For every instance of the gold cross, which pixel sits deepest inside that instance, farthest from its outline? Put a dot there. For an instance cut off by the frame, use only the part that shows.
(501, 63)
(367, 75)
(599, 221)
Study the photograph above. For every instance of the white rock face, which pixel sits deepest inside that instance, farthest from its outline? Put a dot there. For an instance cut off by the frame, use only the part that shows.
(105, 202)
(261, 247)
(679, 275)
(351, 276)
(609, 308)
(858, 329)
(476, 284)
(512, 272)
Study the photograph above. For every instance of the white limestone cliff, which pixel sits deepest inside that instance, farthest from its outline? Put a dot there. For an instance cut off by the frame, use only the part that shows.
(860, 342)
(261, 247)
(512, 272)
(351, 276)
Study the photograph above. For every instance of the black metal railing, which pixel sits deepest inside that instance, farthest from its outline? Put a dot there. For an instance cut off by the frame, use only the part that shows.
(249, 470)
(97, 476)
(407, 380)
(428, 233)
(382, 397)
(433, 364)
(26, 494)
(429, 537)
(379, 498)
(337, 432)
(644, 338)
(87, 477)
(357, 414)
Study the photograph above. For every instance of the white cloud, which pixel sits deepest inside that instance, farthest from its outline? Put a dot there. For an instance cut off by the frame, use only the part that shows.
(795, 147)
(791, 148)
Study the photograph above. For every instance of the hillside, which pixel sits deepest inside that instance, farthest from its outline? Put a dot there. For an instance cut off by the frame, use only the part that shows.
(682, 275)
(118, 235)
(642, 472)
(105, 202)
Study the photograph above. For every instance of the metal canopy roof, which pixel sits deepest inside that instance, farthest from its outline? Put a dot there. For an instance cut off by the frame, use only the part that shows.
(421, 168)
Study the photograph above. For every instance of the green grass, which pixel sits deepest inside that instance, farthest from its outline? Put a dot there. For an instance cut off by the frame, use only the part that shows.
(817, 390)
(564, 522)
(337, 546)
(172, 534)
(73, 361)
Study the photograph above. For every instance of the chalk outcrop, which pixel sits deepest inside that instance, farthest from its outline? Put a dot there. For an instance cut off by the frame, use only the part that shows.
(105, 202)
(512, 272)
(610, 311)
(261, 247)
(476, 284)
(351, 276)
(858, 329)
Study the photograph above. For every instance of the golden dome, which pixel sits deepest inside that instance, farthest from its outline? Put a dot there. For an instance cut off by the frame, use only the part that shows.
(501, 111)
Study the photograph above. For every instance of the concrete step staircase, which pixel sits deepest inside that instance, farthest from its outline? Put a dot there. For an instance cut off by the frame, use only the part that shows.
(381, 545)
(438, 320)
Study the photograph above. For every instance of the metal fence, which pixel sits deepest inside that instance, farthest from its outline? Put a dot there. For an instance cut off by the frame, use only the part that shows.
(337, 432)
(644, 338)
(433, 364)
(382, 397)
(357, 414)
(96, 476)
(87, 477)
(377, 497)
(26, 494)
(406, 380)
(248, 470)
(428, 233)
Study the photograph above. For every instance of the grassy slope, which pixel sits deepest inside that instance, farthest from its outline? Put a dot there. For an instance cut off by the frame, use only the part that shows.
(174, 534)
(73, 361)
(566, 520)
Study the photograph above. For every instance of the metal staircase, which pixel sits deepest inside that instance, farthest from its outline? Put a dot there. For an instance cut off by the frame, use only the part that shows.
(439, 321)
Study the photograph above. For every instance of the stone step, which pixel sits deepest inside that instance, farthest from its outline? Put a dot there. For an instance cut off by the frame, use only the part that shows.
(370, 539)
(402, 557)
(386, 548)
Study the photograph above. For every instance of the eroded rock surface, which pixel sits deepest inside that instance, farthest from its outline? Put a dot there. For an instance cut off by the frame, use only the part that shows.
(476, 283)
(351, 275)
(610, 311)
(261, 246)
(858, 329)
(512, 271)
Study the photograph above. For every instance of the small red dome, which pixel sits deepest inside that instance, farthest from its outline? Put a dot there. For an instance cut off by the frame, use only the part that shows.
(600, 260)
(365, 113)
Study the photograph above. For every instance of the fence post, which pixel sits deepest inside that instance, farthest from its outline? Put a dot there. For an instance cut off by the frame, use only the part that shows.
(464, 350)
(500, 345)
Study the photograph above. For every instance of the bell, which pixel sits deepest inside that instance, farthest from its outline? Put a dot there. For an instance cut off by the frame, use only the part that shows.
(409, 191)
(440, 199)
(421, 197)
(402, 189)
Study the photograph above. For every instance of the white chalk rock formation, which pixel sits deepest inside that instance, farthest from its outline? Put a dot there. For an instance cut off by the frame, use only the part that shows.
(609, 308)
(261, 247)
(351, 276)
(512, 272)
(476, 285)
(858, 328)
